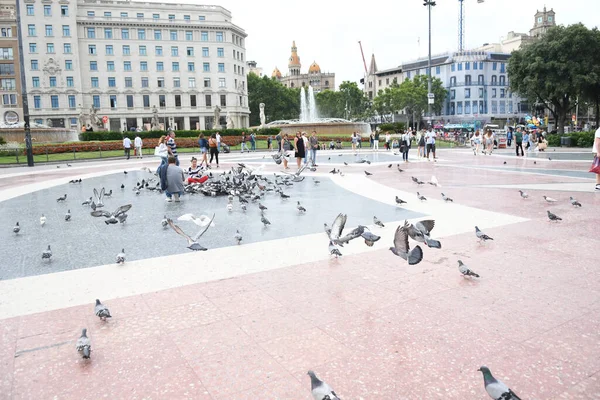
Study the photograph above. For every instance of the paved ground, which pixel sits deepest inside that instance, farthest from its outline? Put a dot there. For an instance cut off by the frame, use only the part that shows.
(248, 322)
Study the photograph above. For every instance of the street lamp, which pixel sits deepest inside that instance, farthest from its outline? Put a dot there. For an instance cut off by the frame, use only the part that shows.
(430, 96)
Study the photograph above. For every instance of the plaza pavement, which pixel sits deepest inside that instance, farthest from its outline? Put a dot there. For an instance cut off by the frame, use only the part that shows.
(248, 322)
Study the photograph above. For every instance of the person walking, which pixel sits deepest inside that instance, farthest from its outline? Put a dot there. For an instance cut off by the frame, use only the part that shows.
(213, 147)
(376, 141)
(218, 139)
(203, 144)
(175, 179)
(300, 149)
(526, 140)
(489, 142)
(163, 152)
(252, 141)
(278, 139)
(476, 142)
(388, 137)
(354, 141)
(137, 143)
(509, 136)
(421, 146)
(244, 143)
(405, 145)
(270, 143)
(596, 163)
(314, 145)
(172, 146)
(287, 148)
(127, 146)
(519, 142)
(371, 140)
(430, 141)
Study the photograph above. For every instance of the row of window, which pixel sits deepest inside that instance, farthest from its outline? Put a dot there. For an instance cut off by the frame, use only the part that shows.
(160, 82)
(129, 101)
(480, 107)
(481, 80)
(64, 10)
(467, 93)
(477, 65)
(160, 66)
(110, 33)
(158, 50)
(125, 14)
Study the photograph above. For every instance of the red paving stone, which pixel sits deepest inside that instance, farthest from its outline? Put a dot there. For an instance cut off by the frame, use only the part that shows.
(367, 324)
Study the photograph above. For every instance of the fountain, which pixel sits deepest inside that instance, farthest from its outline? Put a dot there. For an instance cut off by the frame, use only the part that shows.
(309, 120)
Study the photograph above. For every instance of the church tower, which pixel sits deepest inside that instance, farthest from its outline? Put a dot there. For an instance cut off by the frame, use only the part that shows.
(294, 64)
(544, 20)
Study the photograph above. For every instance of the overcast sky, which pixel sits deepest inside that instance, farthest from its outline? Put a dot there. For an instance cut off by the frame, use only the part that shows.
(328, 31)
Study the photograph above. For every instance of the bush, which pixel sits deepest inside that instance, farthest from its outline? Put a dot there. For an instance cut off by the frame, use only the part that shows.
(394, 126)
(108, 135)
(553, 140)
(2, 141)
(582, 139)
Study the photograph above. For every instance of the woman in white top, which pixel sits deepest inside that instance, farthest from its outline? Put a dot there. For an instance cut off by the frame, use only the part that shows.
(163, 152)
(476, 142)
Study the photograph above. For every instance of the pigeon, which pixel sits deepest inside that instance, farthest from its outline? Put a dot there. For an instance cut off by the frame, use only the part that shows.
(345, 163)
(554, 217)
(333, 171)
(68, 216)
(192, 241)
(261, 207)
(399, 201)
(316, 181)
(333, 250)
(125, 172)
(43, 220)
(300, 208)
(122, 218)
(390, 166)
(109, 194)
(321, 390)
(137, 191)
(495, 388)
(98, 197)
(574, 202)
(201, 220)
(111, 217)
(62, 198)
(523, 194)
(420, 232)
(367, 173)
(434, 182)
(378, 222)
(548, 199)
(400, 169)
(421, 197)
(164, 222)
(283, 195)
(47, 254)
(264, 219)
(417, 181)
(401, 248)
(327, 229)
(121, 257)
(101, 311)
(447, 199)
(465, 271)
(87, 202)
(84, 346)
(122, 186)
(243, 207)
(69, 165)
(370, 238)
(336, 229)
(482, 236)
(238, 237)
(16, 228)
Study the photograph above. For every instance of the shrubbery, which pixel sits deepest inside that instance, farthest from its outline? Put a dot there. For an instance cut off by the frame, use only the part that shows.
(394, 126)
(104, 136)
(578, 139)
(2, 141)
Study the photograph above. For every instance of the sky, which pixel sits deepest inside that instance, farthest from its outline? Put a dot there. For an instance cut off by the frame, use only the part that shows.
(328, 31)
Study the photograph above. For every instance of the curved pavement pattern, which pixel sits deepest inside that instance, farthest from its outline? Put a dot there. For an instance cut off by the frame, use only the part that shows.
(248, 321)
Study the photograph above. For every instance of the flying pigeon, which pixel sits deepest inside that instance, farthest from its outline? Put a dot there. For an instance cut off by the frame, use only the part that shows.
(122, 218)
(523, 194)
(370, 238)
(264, 219)
(300, 208)
(165, 222)
(401, 248)
(321, 390)
(421, 197)
(42, 220)
(238, 237)
(482, 236)
(98, 197)
(62, 198)
(101, 311)
(16, 228)
(333, 171)
(87, 202)
(495, 388)
(68, 216)
(336, 229)
(201, 220)
(84, 346)
(399, 201)
(554, 217)
(378, 222)
(121, 257)
(111, 217)
(446, 198)
(574, 202)
(367, 173)
(333, 250)
(192, 241)
(327, 229)
(47, 254)
(465, 271)
(550, 199)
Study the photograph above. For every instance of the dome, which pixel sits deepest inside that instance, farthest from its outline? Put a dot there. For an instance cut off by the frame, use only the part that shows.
(294, 58)
(276, 73)
(314, 68)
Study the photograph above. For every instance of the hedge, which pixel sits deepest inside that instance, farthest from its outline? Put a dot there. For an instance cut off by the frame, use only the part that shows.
(109, 135)
(392, 126)
(578, 139)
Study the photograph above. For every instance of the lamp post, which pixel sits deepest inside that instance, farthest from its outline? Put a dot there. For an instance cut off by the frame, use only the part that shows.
(24, 98)
(430, 96)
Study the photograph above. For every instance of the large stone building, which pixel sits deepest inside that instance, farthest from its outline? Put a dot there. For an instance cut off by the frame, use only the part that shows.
(295, 78)
(125, 57)
(11, 106)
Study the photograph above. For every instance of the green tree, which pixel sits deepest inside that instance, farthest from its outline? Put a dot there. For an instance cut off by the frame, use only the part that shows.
(280, 102)
(388, 101)
(330, 104)
(348, 102)
(413, 97)
(591, 85)
(555, 69)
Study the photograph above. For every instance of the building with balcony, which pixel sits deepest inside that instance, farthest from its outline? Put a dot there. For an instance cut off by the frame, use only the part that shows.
(377, 80)
(11, 106)
(295, 78)
(125, 57)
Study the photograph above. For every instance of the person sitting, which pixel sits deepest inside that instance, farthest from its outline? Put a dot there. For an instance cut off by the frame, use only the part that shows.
(331, 145)
(338, 144)
(195, 173)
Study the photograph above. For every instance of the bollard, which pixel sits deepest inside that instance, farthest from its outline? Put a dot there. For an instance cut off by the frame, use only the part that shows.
(100, 150)
(46, 150)
(17, 155)
(74, 153)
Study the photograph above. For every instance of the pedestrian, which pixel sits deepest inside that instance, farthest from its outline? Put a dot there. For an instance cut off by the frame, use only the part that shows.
(430, 141)
(596, 163)
(137, 143)
(213, 147)
(476, 142)
(278, 140)
(287, 148)
(243, 144)
(300, 149)
(127, 146)
(218, 139)
(270, 143)
(314, 145)
(194, 173)
(489, 142)
(172, 146)
(388, 137)
(405, 145)
(162, 152)
(175, 178)
(421, 146)
(509, 136)
(376, 141)
(252, 141)
(203, 144)
(354, 141)
(526, 140)
(306, 147)
(519, 142)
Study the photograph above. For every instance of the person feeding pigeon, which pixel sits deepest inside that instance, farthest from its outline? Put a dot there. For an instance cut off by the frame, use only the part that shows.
(172, 179)
(194, 173)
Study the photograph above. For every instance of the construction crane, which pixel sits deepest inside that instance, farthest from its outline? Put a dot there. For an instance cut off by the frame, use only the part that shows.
(364, 62)
(461, 24)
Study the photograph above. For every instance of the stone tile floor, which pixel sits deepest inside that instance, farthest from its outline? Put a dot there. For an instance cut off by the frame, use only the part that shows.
(368, 324)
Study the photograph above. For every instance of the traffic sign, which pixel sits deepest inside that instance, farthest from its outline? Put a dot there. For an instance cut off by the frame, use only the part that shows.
(430, 96)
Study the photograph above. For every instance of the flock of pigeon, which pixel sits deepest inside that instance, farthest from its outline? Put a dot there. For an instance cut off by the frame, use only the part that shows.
(551, 216)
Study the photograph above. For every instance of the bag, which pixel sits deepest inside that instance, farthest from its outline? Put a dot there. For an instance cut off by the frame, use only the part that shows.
(595, 165)
(158, 152)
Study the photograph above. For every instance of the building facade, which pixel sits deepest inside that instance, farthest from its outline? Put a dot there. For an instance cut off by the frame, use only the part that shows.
(123, 58)
(253, 68)
(11, 105)
(377, 80)
(295, 78)
(544, 20)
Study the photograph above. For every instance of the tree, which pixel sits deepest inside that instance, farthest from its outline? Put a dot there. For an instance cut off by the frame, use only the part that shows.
(280, 102)
(591, 84)
(387, 102)
(555, 69)
(348, 102)
(413, 96)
